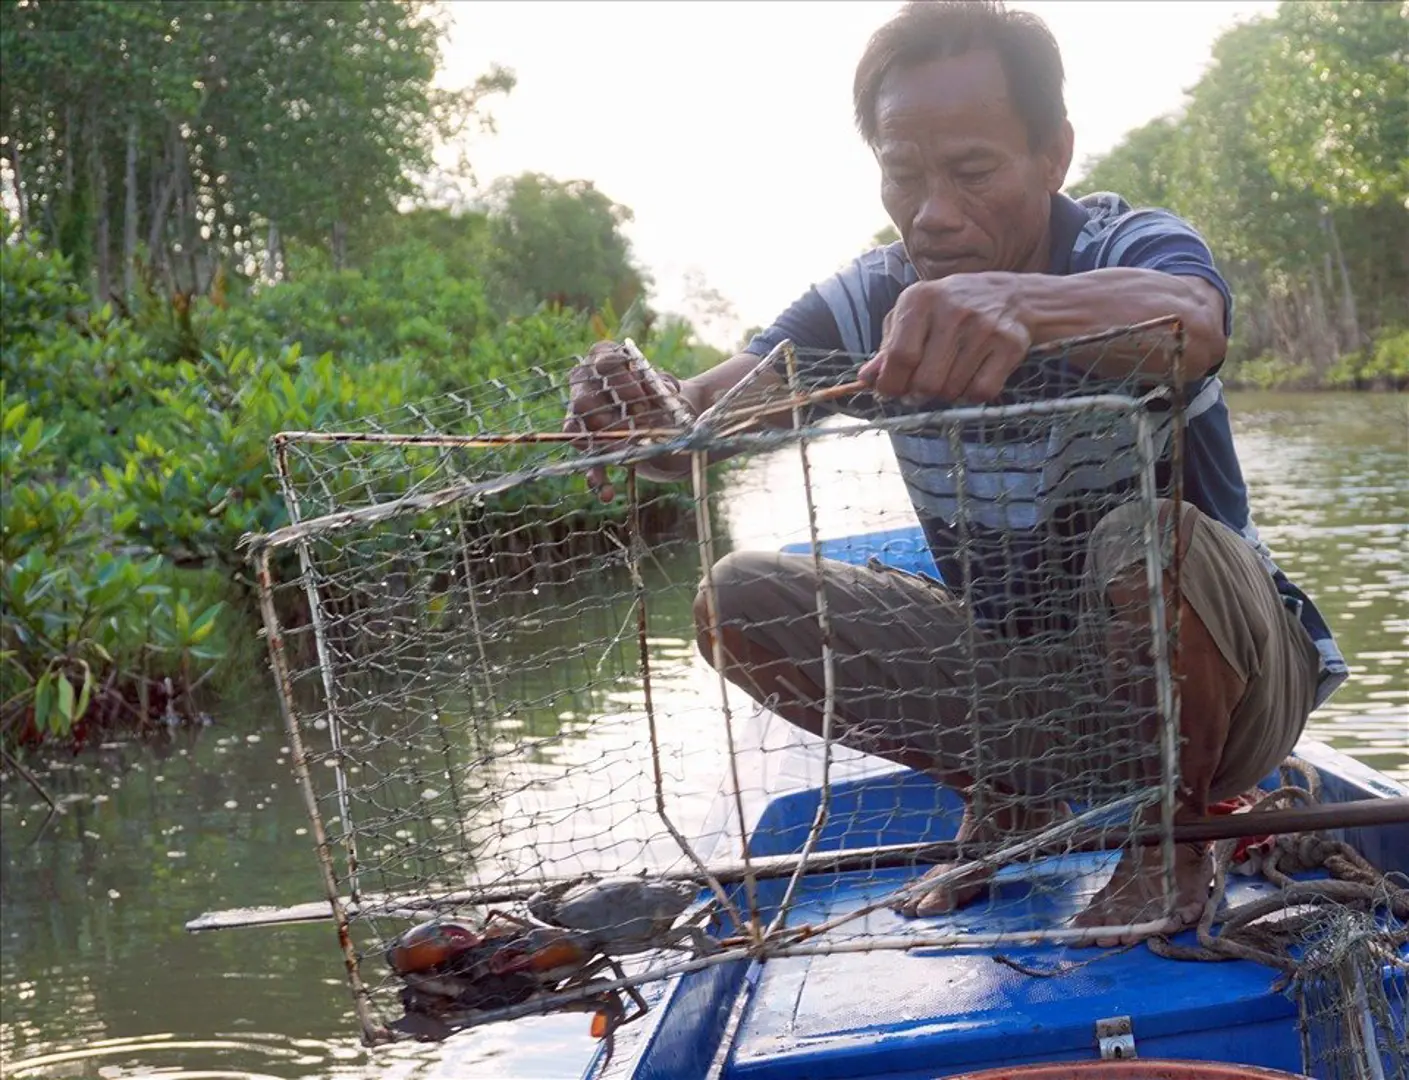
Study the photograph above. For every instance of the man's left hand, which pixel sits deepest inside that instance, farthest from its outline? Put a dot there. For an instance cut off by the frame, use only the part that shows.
(956, 340)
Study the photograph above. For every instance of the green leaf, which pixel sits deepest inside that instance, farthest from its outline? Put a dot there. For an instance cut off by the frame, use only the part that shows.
(64, 712)
(29, 441)
(203, 626)
(14, 415)
(43, 700)
(84, 694)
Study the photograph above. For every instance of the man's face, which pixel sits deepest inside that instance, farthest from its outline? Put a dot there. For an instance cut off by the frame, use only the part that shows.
(958, 176)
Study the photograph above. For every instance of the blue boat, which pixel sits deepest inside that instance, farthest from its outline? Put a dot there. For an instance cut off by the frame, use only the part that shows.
(904, 1015)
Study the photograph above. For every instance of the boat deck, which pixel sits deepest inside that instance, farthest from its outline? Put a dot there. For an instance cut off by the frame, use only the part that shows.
(945, 1009)
(941, 1010)
(932, 1012)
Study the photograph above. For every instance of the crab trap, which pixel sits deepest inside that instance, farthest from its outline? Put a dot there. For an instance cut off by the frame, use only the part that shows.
(533, 728)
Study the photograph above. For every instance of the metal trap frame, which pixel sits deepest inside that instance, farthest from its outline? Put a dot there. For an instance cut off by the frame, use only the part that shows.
(467, 653)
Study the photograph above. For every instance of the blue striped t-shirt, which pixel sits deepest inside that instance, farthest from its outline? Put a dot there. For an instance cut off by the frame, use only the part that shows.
(1013, 489)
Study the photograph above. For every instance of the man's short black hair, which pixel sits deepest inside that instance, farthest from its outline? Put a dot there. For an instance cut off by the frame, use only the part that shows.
(927, 30)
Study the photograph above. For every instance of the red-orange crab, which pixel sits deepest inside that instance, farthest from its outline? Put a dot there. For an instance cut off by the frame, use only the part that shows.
(447, 965)
(572, 932)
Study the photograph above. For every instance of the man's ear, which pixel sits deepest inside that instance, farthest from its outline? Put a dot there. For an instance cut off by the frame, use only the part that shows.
(1056, 157)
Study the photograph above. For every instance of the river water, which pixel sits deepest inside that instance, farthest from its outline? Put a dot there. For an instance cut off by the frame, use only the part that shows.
(99, 980)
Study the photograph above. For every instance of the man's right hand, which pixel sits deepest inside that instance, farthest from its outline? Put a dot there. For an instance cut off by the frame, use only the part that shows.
(611, 393)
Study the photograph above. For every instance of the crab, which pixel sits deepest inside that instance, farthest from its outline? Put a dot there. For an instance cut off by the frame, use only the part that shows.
(446, 964)
(601, 920)
(572, 932)
(623, 915)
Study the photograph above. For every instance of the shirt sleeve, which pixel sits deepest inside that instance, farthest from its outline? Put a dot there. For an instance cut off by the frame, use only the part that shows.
(1160, 240)
(823, 356)
(838, 322)
(807, 323)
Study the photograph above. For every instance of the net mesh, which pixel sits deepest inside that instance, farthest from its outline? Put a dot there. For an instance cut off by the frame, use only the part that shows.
(1352, 991)
(537, 732)
(1334, 926)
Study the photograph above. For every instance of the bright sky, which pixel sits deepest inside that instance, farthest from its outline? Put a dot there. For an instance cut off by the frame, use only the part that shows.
(726, 126)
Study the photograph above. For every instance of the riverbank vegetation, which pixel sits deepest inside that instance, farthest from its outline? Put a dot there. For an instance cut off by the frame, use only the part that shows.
(207, 239)
(135, 453)
(1292, 157)
(221, 221)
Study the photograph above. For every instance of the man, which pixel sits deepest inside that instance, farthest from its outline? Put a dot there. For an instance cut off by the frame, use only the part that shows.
(962, 104)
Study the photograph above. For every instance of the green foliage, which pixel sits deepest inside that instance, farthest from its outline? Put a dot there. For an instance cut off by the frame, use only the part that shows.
(135, 451)
(404, 304)
(1266, 372)
(1333, 110)
(1384, 366)
(559, 241)
(885, 235)
(63, 360)
(1292, 158)
(212, 133)
(37, 290)
(85, 626)
(454, 242)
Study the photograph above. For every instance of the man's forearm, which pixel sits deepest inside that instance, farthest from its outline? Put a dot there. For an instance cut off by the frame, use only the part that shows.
(1060, 307)
(704, 390)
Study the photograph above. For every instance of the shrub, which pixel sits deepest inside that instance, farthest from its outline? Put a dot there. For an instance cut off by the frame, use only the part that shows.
(1384, 365)
(136, 452)
(1266, 372)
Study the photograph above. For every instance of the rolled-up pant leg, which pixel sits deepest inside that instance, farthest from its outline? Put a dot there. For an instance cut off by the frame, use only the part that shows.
(914, 681)
(1246, 667)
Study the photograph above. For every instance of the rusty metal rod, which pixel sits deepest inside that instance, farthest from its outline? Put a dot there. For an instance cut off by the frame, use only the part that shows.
(1360, 813)
(489, 439)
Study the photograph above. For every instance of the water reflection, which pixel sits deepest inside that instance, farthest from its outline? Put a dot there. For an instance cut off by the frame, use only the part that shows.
(1329, 477)
(98, 979)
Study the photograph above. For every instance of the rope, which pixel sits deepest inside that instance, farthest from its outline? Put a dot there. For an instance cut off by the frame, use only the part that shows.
(1246, 932)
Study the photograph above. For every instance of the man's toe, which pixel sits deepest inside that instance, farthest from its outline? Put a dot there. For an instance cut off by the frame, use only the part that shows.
(905, 906)
(935, 902)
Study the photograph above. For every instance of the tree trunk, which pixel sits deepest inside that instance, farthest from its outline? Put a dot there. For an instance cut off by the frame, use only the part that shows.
(103, 233)
(68, 149)
(129, 214)
(17, 178)
(156, 246)
(156, 250)
(272, 255)
(1350, 317)
(1281, 310)
(339, 244)
(1319, 328)
(185, 211)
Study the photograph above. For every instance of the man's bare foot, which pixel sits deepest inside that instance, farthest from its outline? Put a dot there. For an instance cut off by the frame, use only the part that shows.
(997, 825)
(1135, 893)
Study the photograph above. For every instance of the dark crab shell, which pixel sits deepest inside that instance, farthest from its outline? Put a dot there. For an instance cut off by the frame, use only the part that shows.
(430, 945)
(620, 914)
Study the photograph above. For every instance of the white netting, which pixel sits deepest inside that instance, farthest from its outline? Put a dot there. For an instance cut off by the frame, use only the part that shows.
(497, 684)
(1352, 991)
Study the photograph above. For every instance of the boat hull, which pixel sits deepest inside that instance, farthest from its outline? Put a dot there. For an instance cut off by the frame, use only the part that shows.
(941, 1012)
(945, 1011)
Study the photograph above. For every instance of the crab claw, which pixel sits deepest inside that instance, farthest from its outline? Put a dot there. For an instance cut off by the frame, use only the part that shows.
(547, 953)
(429, 945)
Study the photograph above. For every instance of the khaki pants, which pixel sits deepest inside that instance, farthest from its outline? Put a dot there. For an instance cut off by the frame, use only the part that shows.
(1055, 718)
